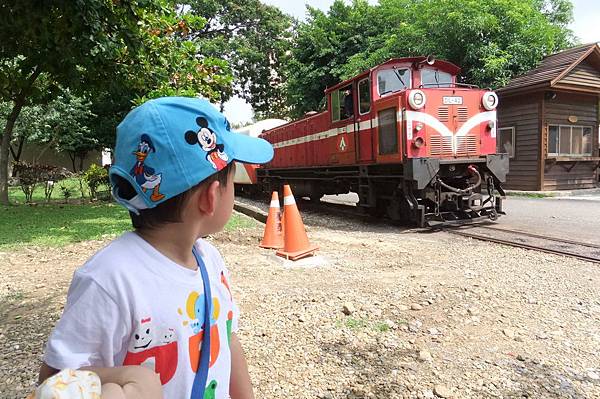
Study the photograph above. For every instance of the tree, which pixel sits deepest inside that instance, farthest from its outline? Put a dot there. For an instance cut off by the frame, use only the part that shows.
(30, 121)
(322, 47)
(107, 44)
(67, 128)
(492, 40)
(254, 38)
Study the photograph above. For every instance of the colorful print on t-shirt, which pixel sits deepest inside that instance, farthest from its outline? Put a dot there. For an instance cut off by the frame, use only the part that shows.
(155, 348)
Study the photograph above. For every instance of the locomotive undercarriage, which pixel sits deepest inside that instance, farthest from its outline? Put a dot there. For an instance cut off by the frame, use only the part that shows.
(422, 191)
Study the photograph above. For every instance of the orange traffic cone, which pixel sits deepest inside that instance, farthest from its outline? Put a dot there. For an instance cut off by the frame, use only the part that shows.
(296, 243)
(272, 238)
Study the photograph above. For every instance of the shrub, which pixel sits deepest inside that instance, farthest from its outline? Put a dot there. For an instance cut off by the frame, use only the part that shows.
(94, 177)
(66, 192)
(29, 176)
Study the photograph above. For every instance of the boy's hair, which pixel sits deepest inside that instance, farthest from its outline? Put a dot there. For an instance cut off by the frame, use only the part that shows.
(168, 211)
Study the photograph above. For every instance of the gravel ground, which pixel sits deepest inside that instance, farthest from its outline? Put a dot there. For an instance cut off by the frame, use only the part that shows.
(393, 314)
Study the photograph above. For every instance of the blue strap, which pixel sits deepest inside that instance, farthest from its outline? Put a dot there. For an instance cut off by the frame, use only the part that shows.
(202, 372)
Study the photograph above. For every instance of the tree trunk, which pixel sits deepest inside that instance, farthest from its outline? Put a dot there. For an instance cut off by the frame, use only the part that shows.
(17, 155)
(81, 159)
(19, 101)
(72, 158)
(4, 148)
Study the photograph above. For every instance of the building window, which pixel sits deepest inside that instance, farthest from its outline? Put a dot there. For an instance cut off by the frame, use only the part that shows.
(564, 140)
(505, 141)
(388, 134)
(364, 96)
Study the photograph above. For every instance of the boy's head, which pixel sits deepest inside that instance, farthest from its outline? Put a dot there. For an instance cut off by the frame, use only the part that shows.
(171, 147)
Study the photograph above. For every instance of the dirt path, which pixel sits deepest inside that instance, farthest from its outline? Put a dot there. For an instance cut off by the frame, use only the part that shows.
(428, 316)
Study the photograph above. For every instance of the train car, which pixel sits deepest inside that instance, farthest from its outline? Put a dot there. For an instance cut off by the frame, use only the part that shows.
(410, 140)
(245, 174)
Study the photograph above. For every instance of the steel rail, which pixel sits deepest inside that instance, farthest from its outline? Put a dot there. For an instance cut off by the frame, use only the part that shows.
(549, 238)
(525, 246)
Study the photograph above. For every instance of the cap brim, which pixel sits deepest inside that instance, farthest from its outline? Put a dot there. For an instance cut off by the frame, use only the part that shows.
(250, 149)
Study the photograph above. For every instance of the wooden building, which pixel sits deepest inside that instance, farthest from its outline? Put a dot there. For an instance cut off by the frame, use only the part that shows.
(549, 122)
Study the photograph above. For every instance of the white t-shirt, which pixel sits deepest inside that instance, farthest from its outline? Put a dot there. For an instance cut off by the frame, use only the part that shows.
(131, 305)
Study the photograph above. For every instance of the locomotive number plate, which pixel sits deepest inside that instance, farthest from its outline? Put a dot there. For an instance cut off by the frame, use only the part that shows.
(452, 100)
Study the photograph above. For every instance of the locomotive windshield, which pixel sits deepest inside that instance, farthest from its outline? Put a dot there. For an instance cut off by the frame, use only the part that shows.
(393, 80)
(435, 78)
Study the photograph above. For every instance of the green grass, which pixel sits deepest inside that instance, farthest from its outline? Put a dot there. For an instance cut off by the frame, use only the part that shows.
(530, 195)
(381, 327)
(353, 323)
(56, 225)
(237, 222)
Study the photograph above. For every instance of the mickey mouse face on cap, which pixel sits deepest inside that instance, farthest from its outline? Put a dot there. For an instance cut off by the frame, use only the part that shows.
(204, 137)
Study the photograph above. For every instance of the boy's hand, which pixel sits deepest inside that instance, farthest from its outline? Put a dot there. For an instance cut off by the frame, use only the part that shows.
(240, 386)
(46, 372)
(131, 382)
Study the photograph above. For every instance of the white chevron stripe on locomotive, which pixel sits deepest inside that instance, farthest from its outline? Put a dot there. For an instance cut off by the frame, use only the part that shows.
(432, 122)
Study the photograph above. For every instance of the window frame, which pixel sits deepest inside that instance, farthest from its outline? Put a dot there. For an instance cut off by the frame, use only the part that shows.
(381, 134)
(409, 82)
(367, 79)
(513, 140)
(436, 85)
(333, 108)
(570, 154)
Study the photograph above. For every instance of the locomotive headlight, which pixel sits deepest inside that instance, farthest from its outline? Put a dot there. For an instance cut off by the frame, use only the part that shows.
(417, 99)
(418, 127)
(419, 142)
(490, 100)
(491, 125)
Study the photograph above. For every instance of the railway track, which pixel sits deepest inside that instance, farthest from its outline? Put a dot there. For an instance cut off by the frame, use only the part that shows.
(522, 239)
(589, 252)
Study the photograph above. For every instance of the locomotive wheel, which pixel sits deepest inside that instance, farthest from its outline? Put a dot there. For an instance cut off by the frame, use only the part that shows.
(315, 196)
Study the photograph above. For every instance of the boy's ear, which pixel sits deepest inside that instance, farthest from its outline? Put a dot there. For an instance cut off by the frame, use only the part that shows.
(207, 198)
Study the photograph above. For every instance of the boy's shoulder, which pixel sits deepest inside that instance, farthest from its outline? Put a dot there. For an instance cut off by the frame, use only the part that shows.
(123, 250)
(131, 250)
(211, 255)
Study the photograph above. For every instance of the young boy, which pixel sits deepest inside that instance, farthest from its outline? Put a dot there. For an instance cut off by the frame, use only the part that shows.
(142, 300)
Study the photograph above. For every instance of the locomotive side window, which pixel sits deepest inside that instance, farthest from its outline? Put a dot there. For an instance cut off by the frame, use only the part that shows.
(342, 105)
(393, 80)
(335, 105)
(388, 134)
(435, 78)
(364, 96)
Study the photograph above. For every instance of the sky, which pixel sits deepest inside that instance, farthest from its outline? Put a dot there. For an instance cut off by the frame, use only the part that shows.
(586, 15)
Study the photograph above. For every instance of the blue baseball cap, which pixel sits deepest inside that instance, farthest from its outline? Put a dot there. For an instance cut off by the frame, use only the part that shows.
(168, 145)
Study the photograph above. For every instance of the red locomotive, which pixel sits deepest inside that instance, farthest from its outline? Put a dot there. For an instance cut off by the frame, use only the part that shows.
(406, 137)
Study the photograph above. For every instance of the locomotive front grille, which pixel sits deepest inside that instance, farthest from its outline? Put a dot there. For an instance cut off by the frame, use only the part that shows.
(463, 114)
(440, 145)
(443, 114)
(466, 145)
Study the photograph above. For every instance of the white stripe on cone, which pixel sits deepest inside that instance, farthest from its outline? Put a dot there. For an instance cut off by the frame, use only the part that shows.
(274, 204)
(289, 200)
